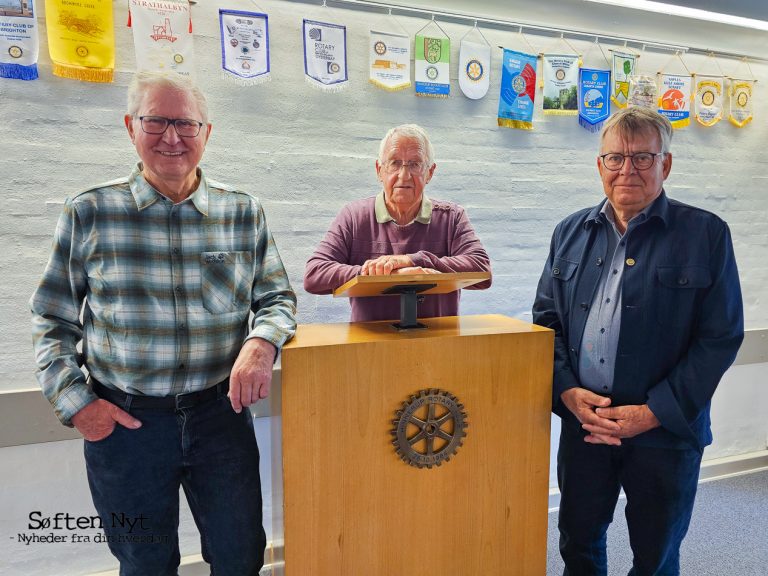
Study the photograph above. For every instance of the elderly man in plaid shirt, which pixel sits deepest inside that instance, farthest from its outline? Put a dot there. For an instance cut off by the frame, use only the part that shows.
(174, 287)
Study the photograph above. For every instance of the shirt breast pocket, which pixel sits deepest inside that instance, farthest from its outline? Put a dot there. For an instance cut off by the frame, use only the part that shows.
(677, 291)
(226, 279)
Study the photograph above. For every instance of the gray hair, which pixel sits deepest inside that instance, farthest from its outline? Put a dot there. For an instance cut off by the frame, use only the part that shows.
(630, 121)
(411, 132)
(143, 82)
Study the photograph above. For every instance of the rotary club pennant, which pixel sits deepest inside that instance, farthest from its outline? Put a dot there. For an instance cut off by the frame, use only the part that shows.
(642, 91)
(432, 65)
(623, 67)
(325, 55)
(162, 35)
(390, 61)
(474, 69)
(517, 90)
(81, 39)
(244, 46)
(19, 41)
(675, 99)
(561, 77)
(740, 102)
(594, 106)
(708, 99)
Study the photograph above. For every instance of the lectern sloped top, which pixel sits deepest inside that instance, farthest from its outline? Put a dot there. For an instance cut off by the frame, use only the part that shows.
(378, 285)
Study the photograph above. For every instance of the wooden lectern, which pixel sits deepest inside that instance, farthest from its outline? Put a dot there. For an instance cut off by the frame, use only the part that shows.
(417, 452)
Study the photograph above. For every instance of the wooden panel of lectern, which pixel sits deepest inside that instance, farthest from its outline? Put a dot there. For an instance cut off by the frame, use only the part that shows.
(417, 452)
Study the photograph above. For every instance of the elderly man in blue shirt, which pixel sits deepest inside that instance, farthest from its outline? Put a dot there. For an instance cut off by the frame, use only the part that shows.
(643, 294)
(175, 289)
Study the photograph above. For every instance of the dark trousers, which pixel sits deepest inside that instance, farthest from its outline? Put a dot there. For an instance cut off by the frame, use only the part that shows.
(660, 486)
(135, 476)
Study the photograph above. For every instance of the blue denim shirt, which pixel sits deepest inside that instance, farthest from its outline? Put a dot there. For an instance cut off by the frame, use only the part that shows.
(682, 319)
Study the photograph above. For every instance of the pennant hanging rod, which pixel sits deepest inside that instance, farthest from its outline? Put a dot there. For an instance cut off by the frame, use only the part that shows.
(535, 28)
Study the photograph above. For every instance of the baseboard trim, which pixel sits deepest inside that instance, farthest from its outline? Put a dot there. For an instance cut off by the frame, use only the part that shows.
(715, 469)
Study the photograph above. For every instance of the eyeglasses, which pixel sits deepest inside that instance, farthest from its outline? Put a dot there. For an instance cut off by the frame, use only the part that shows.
(185, 127)
(641, 161)
(394, 166)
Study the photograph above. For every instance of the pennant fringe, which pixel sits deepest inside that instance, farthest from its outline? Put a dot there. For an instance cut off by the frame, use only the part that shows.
(103, 75)
(519, 124)
(555, 112)
(236, 80)
(330, 88)
(425, 95)
(596, 127)
(18, 71)
(390, 88)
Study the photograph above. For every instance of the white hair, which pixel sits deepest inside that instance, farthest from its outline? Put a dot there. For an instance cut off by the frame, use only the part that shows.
(143, 82)
(410, 132)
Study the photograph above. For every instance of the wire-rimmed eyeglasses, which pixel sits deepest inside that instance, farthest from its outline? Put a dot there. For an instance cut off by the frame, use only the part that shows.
(185, 127)
(641, 160)
(393, 166)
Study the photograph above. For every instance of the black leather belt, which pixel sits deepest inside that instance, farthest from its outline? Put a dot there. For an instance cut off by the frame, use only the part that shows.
(188, 400)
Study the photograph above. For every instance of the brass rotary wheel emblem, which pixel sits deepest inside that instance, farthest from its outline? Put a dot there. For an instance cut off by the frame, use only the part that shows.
(429, 428)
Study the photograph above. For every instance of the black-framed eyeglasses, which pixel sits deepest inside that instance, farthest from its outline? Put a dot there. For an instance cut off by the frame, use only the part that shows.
(394, 166)
(641, 160)
(185, 127)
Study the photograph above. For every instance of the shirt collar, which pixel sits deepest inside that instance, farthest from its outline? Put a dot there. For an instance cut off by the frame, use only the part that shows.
(145, 195)
(659, 208)
(382, 214)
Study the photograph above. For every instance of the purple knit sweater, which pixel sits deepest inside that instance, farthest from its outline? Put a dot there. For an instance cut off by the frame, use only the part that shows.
(447, 244)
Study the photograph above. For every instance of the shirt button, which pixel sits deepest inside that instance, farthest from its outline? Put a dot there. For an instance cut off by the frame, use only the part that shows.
(182, 326)
(179, 289)
(608, 300)
(176, 250)
(555, 271)
(615, 271)
(602, 330)
(605, 387)
(682, 281)
(602, 361)
(181, 366)
(599, 261)
(584, 306)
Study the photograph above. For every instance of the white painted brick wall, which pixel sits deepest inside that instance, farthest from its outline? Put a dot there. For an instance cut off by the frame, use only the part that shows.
(307, 153)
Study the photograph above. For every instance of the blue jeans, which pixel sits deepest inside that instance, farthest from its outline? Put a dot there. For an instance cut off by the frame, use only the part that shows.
(660, 485)
(135, 476)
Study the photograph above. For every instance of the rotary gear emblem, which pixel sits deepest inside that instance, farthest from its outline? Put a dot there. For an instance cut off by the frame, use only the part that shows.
(429, 428)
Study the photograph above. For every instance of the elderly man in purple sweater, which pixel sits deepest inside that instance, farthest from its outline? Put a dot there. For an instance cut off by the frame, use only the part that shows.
(398, 231)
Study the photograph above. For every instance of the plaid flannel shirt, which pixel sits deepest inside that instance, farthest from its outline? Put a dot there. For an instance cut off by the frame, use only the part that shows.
(159, 294)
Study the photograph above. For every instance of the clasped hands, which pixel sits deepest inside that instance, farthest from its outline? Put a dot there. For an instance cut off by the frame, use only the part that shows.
(393, 264)
(607, 424)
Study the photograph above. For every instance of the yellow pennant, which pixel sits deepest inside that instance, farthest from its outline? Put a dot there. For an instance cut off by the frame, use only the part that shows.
(81, 39)
(708, 99)
(741, 102)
